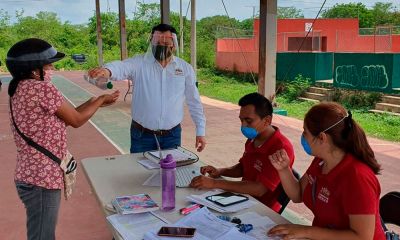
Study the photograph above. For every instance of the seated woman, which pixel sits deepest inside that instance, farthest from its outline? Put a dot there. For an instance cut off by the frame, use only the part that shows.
(340, 186)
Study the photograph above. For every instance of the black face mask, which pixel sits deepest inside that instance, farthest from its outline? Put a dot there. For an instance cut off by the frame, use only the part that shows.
(161, 52)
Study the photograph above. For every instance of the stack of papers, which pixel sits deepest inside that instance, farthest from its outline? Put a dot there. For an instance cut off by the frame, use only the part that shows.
(181, 155)
(201, 199)
(207, 225)
(261, 225)
(134, 226)
(176, 154)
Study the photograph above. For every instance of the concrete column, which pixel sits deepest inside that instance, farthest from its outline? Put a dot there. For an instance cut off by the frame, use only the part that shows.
(164, 4)
(180, 28)
(267, 48)
(193, 48)
(122, 29)
(99, 37)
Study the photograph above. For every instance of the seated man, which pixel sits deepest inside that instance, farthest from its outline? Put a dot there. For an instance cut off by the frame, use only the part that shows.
(259, 178)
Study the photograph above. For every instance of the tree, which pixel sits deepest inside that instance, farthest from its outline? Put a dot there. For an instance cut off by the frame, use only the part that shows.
(289, 12)
(247, 24)
(6, 35)
(380, 14)
(109, 30)
(383, 13)
(209, 27)
(351, 10)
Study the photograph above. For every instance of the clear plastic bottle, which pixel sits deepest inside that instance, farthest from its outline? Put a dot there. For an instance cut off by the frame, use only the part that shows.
(100, 82)
(168, 175)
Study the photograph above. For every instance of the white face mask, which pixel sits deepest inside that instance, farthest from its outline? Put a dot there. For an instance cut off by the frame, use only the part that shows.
(48, 75)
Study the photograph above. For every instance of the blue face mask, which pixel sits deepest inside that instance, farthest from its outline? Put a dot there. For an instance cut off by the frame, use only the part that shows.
(249, 132)
(305, 145)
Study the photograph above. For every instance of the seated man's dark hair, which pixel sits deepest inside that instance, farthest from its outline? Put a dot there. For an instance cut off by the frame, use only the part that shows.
(262, 105)
(163, 28)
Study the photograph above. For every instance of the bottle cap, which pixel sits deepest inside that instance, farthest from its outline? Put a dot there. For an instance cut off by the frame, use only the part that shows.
(168, 162)
(109, 85)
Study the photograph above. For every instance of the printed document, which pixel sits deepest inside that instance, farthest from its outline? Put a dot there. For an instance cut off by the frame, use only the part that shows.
(261, 225)
(207, 225)
(134, 226)
(177, 154)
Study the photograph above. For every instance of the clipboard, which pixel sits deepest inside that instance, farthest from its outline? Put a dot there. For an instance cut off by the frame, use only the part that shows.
(181, 155)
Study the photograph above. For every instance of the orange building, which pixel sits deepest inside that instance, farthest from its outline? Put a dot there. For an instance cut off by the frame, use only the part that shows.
(327, 35)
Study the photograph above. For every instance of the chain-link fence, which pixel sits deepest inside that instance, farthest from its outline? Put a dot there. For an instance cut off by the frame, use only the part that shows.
(228, 32)
(378, 39)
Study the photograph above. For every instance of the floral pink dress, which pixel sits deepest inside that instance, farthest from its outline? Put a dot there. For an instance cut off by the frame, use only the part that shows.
(34, 105)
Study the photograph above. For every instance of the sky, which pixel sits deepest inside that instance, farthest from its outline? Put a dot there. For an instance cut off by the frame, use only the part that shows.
(79, 11)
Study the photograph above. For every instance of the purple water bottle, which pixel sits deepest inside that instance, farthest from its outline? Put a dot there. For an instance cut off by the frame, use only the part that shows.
(168, 171)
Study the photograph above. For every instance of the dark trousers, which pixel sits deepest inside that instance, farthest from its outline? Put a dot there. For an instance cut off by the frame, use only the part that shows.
(142, 141)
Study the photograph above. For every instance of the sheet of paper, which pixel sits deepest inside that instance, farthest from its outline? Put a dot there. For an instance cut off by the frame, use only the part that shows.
(176, 154)
(201, 199)
(207, 225)
(261, 225)
(154, 180)
(149, 164)
(134, 226)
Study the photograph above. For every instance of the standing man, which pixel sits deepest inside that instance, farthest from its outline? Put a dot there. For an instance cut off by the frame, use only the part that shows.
(162, 83)
(258, 177)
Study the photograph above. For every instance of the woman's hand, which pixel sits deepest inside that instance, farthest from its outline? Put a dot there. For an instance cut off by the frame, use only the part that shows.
(289, 231)
(202, 182)
(109, 99)
(212, 171)
(280, 160)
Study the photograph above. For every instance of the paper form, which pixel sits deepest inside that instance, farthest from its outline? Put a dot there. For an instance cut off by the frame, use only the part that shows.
(149, 164)
(134, 226)
(176, 154)
(261, 225)
(208, 227)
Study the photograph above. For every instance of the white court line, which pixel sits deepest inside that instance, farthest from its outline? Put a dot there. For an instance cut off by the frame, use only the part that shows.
(91, 122)
(84, 89)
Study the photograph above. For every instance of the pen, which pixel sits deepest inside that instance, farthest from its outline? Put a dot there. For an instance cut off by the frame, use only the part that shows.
(190, 209)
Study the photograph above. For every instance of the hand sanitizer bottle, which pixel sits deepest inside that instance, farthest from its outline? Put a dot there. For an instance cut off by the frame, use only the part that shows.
(168, 173)
(100, 82)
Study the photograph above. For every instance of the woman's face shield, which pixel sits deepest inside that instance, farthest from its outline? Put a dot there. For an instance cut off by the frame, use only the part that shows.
(163, 45)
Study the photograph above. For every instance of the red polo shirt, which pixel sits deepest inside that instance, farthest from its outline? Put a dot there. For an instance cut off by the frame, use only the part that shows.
(351, 188)
(258, 168)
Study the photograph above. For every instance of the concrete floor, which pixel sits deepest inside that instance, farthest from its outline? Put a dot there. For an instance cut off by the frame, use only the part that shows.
(81, 217)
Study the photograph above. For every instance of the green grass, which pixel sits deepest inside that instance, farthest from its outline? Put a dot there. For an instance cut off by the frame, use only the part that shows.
(383, 126)
(231, 89)
(296, 109)
(228, 89)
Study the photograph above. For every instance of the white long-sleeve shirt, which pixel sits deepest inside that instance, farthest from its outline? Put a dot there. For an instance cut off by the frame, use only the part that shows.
(159, 93)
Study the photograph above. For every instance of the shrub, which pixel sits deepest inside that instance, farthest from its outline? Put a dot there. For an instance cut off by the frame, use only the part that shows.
(293, 90)
(359, 99)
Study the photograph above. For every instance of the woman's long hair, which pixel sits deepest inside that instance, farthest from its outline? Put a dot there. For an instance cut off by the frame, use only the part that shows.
(18, 76)
(346, 135)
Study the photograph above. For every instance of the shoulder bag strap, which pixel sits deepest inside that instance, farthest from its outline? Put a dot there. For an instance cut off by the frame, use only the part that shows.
(33, 144)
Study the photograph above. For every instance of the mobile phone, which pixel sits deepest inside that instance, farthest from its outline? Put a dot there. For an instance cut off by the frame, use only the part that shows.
(227, 198)
(176, 232)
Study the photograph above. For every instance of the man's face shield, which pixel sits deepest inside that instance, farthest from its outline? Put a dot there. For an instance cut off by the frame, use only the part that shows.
(163, 45)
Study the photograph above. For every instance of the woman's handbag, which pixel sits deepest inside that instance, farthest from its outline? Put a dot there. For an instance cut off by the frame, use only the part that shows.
(392, 236)
(68, 164)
